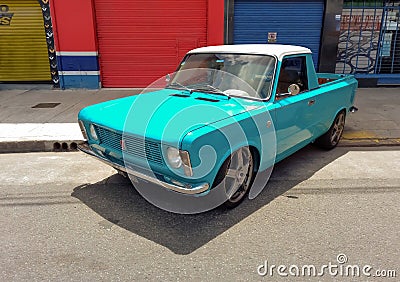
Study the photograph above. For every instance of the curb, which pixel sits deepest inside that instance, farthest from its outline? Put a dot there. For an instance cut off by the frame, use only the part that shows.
(369, 142)
(39, 146)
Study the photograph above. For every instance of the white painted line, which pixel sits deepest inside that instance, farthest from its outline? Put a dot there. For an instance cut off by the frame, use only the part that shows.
(79, 72)
(62, 53)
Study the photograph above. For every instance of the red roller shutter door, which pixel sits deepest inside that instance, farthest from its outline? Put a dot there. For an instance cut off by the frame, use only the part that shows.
(140, 41)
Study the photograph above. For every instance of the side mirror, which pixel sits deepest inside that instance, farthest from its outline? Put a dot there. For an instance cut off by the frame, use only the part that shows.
(294, 89)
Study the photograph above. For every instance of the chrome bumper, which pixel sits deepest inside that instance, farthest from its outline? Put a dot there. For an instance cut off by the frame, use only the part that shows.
(198, 189)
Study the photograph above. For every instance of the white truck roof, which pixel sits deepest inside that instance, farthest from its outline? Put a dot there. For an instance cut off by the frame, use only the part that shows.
(277, 50)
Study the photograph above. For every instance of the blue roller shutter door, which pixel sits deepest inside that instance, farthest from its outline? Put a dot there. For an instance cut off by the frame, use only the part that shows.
(296, 23)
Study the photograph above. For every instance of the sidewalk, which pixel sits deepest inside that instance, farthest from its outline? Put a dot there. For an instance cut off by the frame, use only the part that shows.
(377, 122)
(38, 118)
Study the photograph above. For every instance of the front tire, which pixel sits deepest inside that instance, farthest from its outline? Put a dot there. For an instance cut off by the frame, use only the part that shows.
(236, 175)
(331, 138)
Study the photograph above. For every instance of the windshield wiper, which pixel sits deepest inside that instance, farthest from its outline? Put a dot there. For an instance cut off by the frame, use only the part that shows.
(180, 86)
(213, 90)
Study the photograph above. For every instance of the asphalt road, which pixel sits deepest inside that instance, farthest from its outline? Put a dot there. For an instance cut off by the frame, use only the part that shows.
(66, 216)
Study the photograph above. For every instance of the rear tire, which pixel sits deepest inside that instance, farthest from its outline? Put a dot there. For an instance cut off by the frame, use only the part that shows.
(236, 175)
(331, 138)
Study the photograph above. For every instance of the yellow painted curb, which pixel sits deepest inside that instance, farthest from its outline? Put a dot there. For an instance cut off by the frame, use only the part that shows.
(366, 142)
(362, 134)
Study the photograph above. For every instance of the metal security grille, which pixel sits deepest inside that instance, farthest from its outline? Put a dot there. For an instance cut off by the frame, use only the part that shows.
(369, 43)
(141, 41)
(135, 146)
(291, 22)
(388, 60)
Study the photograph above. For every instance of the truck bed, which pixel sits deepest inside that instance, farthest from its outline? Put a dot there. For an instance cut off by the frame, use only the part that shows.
(324, 78)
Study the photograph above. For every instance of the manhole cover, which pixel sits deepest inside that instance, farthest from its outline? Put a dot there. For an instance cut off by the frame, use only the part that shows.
(45, 105)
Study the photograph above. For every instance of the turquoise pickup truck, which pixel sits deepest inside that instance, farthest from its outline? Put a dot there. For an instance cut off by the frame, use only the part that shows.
(210, 133)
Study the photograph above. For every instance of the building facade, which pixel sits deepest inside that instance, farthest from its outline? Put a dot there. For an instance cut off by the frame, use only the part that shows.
(100, 43)
(119, 43)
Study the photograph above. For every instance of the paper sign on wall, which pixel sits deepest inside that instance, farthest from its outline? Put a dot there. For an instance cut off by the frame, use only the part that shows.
(272, 37)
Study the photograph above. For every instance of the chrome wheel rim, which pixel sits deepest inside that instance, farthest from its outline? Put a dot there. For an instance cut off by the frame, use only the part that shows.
(238, 174)
(337, 129)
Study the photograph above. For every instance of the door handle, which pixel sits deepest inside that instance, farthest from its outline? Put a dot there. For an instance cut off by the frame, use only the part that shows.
(311, 102)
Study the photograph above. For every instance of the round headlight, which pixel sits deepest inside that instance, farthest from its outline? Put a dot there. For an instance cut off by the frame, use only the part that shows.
(173, 157)
(93, 132)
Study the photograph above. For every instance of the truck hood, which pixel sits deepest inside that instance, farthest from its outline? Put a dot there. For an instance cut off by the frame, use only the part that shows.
(166, 115)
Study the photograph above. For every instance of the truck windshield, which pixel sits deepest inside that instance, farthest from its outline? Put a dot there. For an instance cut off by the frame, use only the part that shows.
(242, 75)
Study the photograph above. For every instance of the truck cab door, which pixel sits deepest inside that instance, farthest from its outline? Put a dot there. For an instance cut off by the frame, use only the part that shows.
(294, 115)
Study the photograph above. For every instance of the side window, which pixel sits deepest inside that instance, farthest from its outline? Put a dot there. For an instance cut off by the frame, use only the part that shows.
(293, 71)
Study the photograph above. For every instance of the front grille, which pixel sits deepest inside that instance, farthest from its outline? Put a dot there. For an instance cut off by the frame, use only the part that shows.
(109, 138)
(135, 146)
(143, 148)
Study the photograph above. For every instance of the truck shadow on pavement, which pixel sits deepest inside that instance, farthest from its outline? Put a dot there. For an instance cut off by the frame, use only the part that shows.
(119, 203)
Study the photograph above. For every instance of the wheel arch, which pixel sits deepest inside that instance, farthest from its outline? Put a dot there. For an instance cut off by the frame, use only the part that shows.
(256, 157)
(343, 109)
(325, 141)
(254, 153)
(332, 119)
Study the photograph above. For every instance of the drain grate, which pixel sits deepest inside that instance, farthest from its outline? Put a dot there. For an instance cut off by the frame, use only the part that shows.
(45, 105)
